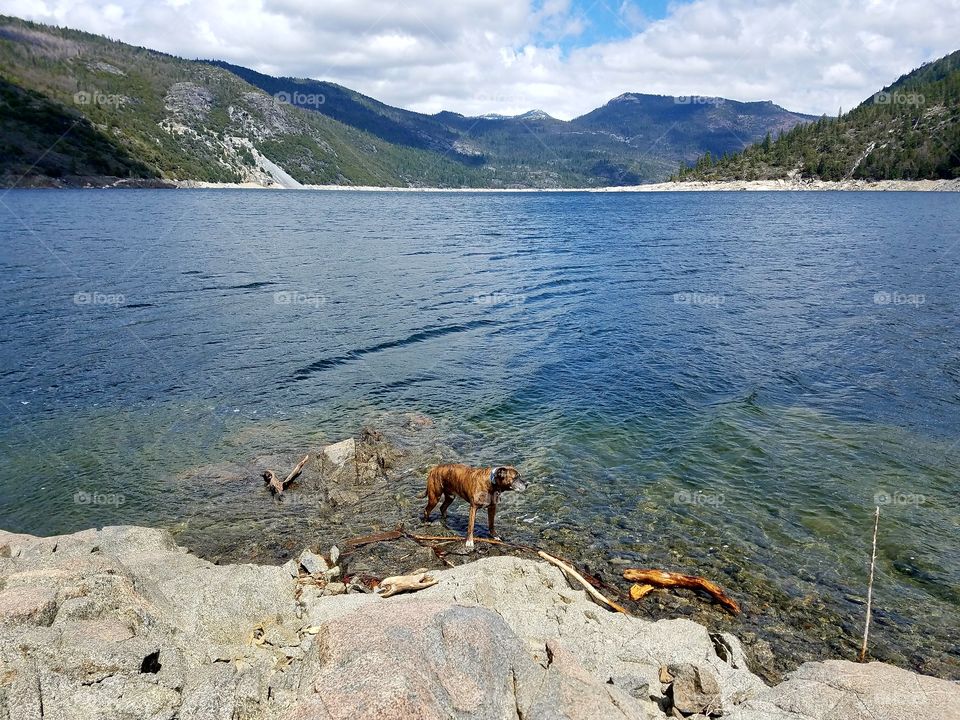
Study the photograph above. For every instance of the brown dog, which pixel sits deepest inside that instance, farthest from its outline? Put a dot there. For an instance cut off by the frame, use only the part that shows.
(480, 487)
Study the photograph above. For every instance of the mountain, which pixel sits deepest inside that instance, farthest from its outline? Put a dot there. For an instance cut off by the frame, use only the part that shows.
(690, 126)
(909, 130)
(78, 109)
(634, 138)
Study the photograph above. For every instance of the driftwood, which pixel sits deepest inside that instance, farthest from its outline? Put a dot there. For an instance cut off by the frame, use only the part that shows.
(663, 578)
(273, 482)
(873, 562)
(370, 539)
(435, 542)
(276, 485)
(417, 580)
(640, 590)
(593, 592)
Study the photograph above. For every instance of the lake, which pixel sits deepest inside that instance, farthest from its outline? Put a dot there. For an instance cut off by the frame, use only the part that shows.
(719, 383)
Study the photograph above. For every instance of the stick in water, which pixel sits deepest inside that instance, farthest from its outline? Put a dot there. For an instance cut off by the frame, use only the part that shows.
(873, 560)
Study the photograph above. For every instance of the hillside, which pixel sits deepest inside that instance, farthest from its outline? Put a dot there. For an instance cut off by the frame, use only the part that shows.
(79, 108)
(909, 130)
(633, 138)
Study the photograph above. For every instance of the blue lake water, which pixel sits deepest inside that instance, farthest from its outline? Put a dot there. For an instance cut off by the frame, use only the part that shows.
(706, 381)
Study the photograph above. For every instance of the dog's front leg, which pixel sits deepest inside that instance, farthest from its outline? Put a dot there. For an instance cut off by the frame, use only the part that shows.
(473, 517)
(491, 516)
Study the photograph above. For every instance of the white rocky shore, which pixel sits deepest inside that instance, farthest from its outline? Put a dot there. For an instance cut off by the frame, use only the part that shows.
(123, 623)
(794, 185)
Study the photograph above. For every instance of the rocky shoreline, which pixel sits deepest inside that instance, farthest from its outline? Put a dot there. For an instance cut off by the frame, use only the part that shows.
(123, 623)
(792, 185)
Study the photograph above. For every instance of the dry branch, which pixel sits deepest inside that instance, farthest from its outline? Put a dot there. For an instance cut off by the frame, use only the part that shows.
(295, 473)
(664, 578)
(417, 580)
(593, 592)
(276, 485)
(375, 538)
(273, 482)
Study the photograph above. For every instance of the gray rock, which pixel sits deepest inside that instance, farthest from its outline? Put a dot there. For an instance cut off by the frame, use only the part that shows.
(632, 685)
(538, 603)
(312, 563)
(468, 664)
(839, 689)
(695, 689)
(341, 452)
(332, 573)
(33, 605)
(122, 623)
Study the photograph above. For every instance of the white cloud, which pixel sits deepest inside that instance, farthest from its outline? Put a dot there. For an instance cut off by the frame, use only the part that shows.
(480, 56)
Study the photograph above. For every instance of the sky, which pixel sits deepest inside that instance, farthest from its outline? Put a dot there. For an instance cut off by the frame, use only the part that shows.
(565, 57)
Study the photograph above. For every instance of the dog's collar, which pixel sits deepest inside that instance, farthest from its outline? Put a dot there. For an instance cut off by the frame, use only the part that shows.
(493, 474)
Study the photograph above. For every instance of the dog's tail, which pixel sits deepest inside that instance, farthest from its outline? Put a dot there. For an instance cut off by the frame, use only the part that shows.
(432, 479)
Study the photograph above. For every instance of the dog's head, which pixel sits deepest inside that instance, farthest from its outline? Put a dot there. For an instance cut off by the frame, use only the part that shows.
(506, 478)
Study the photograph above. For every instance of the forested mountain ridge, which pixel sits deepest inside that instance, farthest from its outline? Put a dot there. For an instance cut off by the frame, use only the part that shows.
(909, 130)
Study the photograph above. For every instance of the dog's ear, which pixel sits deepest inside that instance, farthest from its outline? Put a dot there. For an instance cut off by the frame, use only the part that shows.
(499, 473)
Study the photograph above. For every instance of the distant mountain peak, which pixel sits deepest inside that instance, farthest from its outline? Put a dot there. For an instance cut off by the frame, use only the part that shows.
(534, 115)
(529, 115)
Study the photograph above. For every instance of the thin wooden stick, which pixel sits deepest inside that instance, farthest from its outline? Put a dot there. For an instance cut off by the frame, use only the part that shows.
(376, 538)
(583, 581)
(873, 561)
(450, 538)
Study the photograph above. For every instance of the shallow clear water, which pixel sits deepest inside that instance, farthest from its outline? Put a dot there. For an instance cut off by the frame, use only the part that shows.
(723, 383)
